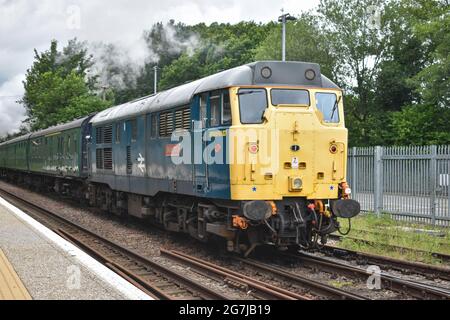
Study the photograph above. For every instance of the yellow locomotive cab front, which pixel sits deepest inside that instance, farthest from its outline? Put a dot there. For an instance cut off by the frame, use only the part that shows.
(288, 151)
(298, 150)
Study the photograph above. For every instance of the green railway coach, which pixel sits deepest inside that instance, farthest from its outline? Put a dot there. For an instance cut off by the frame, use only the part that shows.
(56, 151)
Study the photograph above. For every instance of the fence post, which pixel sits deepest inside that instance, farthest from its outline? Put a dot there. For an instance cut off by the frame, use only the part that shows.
(432, 181)
(378, 180)
(353, 186)
(447, 184)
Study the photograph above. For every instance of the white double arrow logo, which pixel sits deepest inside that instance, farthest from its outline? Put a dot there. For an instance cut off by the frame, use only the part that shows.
(141, 164)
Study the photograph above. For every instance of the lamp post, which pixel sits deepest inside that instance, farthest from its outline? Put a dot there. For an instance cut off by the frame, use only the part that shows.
(283, 18)
(155, 90)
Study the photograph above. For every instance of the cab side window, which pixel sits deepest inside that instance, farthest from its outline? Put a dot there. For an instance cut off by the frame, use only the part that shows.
(214, 103)
(154, 126)
(134, 130)
(203, 115)
(226, 108)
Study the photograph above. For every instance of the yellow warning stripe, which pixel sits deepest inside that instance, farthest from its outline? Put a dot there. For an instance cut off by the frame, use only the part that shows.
(11, 287)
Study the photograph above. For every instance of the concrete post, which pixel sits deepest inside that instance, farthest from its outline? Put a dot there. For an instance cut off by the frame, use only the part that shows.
(378, 180)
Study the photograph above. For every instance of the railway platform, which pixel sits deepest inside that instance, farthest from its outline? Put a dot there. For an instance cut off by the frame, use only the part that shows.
(36, 263)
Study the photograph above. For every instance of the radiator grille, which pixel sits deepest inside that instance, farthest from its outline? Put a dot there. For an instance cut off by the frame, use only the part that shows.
(165, 124)
(183, 119)
(107, 159)
(99, 135)
(99, 158)
(107, 134)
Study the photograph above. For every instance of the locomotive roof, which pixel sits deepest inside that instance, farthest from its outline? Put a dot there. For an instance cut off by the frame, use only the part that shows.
(281, 73)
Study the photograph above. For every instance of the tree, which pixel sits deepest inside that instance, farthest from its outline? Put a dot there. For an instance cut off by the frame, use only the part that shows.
(355, 31)
(304, 42)
(57, 87)
(431, 24)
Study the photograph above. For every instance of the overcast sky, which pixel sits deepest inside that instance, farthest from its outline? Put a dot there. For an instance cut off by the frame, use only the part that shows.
(29, 24)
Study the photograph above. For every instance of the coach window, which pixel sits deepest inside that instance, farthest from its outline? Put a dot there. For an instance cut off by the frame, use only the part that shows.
(214, 102)
(118, 131)
(226, 108)
(252, 104)
(134, 130)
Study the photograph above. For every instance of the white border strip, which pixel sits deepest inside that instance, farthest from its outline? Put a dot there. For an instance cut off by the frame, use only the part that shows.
(106, 274)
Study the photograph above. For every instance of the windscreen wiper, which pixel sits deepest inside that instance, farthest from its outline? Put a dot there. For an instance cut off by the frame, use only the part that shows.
(336, 103)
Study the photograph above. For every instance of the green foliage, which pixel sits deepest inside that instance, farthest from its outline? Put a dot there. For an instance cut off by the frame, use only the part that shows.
(221, 47)
(57, 88)
(421, 124)
(305, 41)
(431, 23)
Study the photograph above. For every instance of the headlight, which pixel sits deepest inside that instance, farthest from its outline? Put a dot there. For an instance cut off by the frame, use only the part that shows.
(295, 184)
(266, 72)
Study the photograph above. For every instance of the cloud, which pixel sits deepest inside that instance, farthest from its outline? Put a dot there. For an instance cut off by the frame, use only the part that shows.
(12, 113)
(25, 25)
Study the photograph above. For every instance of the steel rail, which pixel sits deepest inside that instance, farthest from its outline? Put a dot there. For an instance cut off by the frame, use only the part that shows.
(315, 287)
(259, 288)
(414, 289)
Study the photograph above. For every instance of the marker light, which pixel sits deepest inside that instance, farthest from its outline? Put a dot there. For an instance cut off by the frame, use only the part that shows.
(333, 148)
(253, 148)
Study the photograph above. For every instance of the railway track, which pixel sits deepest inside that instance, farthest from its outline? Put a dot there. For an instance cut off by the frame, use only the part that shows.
(445, 258)
(257, 288)
(414, 289)
(403, 266)
(314, 287)
(157, 280)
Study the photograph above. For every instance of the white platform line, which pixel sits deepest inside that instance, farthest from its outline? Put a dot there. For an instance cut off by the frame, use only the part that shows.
(106, 274)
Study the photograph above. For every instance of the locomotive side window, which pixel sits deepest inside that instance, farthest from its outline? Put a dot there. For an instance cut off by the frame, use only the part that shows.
(214, 102)
(252, 104)
(134, 130)
(203, 115)
(154, 126)
(328, 104)
(226, 108)
(289, 96)
(118, 132)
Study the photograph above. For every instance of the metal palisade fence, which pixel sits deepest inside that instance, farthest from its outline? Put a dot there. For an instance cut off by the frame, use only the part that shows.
(410, 183)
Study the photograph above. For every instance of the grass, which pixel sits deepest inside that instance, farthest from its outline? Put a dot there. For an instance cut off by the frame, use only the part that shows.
(384, 230)
(340, 284)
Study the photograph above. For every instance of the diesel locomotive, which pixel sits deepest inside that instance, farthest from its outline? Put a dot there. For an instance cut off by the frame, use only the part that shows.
(255, 155)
